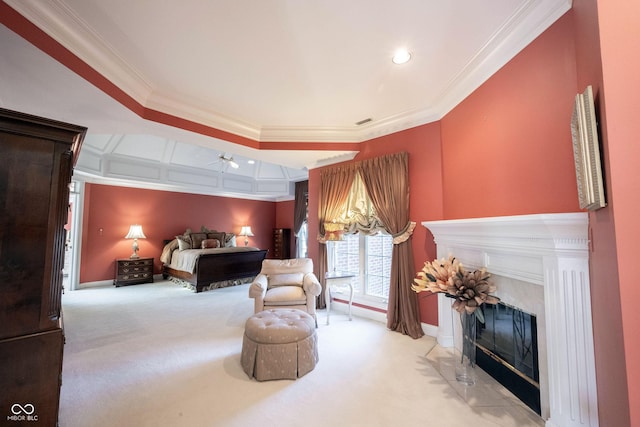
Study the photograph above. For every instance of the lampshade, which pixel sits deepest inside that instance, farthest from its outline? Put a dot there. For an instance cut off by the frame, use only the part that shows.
(135, 233)
(246, 231)
(334, 231)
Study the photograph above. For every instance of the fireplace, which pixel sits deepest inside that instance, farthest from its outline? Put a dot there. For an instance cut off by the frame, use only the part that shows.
(507, 349)
(540, 265)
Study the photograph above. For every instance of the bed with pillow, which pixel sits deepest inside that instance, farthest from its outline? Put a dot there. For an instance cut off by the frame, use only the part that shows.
(209, 259)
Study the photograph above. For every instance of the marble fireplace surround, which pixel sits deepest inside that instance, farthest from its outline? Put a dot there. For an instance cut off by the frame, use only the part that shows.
(540, 264)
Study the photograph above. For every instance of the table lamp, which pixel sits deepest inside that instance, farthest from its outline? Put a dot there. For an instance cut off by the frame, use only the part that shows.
(135, 233)
(246, 232)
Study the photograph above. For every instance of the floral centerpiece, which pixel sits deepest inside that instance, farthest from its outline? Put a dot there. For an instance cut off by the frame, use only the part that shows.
(469, 291)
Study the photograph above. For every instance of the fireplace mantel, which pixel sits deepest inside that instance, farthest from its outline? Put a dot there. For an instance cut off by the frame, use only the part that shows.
(512, 246)
(550, 250)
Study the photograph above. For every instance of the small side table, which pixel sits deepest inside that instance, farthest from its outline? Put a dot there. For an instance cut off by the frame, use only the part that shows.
(338, 278)
(133, 271)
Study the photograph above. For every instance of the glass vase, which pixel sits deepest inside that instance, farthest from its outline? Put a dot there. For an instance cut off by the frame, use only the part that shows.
(465, 344)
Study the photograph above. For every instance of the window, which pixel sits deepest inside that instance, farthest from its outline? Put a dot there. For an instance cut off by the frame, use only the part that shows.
(301, 215)
(301, 247)
(369, 257)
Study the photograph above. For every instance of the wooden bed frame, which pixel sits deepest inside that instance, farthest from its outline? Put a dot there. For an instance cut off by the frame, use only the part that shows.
(219, 267)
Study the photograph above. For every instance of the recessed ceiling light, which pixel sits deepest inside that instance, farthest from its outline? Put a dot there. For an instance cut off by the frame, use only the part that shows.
(251, 161)
(401, 56)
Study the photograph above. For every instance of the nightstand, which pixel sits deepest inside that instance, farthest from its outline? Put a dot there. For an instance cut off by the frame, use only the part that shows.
(133, 271)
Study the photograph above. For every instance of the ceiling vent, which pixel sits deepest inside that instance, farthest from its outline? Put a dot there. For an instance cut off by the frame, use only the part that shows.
(361, 122)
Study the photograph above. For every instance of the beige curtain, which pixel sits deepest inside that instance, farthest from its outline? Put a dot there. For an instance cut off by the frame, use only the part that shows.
(335, 184)
(387, 182)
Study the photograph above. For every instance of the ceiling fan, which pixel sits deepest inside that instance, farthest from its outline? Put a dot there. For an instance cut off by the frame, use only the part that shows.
(226, 160)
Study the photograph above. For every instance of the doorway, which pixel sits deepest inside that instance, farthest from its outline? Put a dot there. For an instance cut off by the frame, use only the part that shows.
(71, 270)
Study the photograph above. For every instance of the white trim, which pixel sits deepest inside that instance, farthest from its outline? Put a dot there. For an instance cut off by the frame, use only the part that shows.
(76, 235)
(59, 21)
(369, 314)
(357, 311)
(96, 284)
(429, 330)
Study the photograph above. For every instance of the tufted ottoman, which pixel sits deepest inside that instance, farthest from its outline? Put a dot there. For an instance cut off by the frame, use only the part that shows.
(279, 344)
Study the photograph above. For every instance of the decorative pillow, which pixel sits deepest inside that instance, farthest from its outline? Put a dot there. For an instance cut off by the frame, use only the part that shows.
(184, 242)
(230, 240)
(196, 240)
(286, 279)
(165, 258)
(220, 235)
(210, 243)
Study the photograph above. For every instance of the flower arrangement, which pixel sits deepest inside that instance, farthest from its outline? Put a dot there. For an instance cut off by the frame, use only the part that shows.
(468, 289)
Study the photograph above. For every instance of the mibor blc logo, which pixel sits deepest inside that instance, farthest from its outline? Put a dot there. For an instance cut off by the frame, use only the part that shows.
(22, 412)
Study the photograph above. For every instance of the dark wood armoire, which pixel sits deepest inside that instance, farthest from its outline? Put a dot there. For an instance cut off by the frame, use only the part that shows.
(282, 243)
(36, 161)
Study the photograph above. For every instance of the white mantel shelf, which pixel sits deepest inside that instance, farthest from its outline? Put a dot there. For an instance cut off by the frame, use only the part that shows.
(512, 246)
(550, 250)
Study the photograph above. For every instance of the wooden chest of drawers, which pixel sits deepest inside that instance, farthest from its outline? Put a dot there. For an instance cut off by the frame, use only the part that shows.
(282, 243)
(133, 271)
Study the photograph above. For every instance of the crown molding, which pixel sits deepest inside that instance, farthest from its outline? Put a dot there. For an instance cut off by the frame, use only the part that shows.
(526, 25)
(165, 103)
(64, 26)
(339, 158)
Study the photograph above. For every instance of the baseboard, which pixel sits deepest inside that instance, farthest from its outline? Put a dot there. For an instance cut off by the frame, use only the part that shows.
(429, 330)
(96, 284)
(156, 278)
(338, 306)
(342, 308)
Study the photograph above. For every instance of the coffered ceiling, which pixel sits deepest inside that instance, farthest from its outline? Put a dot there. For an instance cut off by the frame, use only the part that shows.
(287, 80)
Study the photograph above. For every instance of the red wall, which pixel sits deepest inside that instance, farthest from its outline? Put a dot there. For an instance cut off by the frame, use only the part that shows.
(608, 59)
(109, 211)
(507, 147)
(619, 35)
(613, 404)
(505, 150)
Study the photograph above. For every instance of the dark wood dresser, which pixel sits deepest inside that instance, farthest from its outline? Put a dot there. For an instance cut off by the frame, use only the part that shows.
(37, 162)
(282, 243)
(133, 271)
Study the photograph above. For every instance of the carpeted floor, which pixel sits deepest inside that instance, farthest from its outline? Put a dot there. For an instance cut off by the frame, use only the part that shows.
(160, 355)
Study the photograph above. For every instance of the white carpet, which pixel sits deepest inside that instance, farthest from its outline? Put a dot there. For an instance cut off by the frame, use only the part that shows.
(160, 355)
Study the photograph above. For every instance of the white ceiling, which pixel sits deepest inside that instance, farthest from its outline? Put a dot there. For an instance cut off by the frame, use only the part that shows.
(277, 71)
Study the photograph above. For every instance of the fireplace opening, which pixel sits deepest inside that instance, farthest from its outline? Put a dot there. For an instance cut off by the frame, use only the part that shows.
(507, 349)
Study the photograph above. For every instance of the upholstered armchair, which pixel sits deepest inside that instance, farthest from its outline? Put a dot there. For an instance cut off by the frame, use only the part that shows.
(287, 283)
